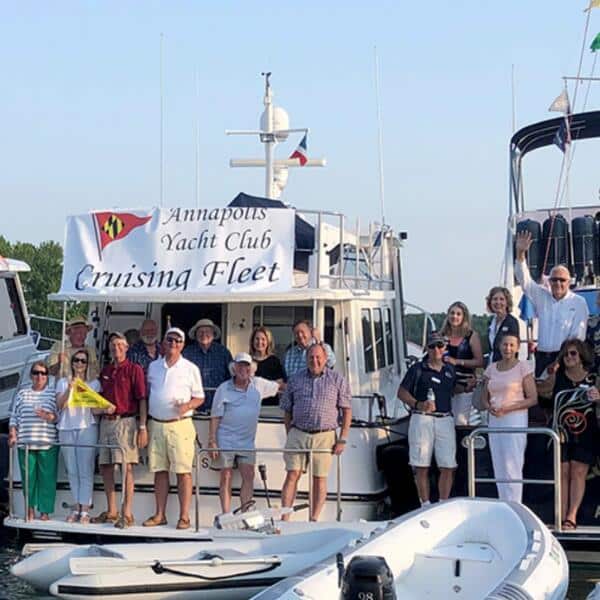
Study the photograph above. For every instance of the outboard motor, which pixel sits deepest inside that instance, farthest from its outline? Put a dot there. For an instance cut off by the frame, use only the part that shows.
(535, 256)
(583, 246)
(368, 577)
(556, 234)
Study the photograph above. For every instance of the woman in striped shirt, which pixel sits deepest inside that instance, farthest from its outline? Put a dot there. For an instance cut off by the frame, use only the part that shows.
(33, 422)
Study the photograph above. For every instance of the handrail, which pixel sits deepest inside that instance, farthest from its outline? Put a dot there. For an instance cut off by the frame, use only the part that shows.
(555, 481)
(25, 476)
(256, 451)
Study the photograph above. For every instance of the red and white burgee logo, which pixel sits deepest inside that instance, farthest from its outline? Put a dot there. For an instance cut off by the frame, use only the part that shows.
(113, 226)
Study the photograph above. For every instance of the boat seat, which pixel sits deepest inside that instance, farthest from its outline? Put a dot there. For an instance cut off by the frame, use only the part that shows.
(467, 551)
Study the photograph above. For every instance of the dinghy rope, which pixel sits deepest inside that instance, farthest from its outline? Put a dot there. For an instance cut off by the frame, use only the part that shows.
(159, 568)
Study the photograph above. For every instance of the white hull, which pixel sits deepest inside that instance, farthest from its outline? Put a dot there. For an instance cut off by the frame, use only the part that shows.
(129, 573)
(468, 549)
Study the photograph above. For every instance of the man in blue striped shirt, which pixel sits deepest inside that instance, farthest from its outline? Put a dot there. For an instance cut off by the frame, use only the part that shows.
(305, 336)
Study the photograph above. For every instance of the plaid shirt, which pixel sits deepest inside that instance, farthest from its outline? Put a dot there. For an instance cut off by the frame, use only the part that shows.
(138, 353)
(214, 367)
(295, 358)
(315, 402)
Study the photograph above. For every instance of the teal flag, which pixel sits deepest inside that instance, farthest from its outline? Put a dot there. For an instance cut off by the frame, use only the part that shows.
(595, 44)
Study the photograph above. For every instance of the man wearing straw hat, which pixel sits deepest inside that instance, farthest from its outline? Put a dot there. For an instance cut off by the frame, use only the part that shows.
(59, 361)
(211, 357)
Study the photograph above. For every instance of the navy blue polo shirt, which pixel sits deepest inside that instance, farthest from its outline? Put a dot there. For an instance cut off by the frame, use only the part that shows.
(441, 382)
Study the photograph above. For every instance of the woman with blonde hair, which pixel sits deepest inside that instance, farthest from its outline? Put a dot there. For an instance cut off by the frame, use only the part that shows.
(465, 355)
(499, 302)
(268, 366)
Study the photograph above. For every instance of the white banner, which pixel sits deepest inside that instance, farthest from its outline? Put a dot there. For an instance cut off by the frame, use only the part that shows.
(178, 250)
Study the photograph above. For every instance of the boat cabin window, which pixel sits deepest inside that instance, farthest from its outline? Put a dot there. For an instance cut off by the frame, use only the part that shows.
(378, 343)
(280, 319)
(13, 323)
(185, 315)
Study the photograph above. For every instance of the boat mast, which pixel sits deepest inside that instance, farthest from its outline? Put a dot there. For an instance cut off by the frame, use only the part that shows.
(274, 128)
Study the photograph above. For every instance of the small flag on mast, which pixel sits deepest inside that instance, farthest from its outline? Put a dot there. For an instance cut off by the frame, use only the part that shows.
(593, 4)
(595, 44)
(561, 103)
(113, 226)
(562, 137)
(301, 152)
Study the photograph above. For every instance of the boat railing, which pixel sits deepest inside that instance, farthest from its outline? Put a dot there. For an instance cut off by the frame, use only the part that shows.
(310, 451)
(347, 257)
(25, 476)
(473, 440)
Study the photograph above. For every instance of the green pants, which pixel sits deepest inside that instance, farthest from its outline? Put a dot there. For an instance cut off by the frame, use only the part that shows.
(41, 472)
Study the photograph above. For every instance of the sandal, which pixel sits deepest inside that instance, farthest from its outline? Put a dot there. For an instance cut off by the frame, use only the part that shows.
(74, 516)
(569, 525)
(183, 523)
(84, 517)
(154, 521)
(105, 517)
(123, 522)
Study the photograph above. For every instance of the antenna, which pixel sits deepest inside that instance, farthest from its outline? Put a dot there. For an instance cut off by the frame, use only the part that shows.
(379, 140)
(197, 186)
(161, 123)
(514, 98)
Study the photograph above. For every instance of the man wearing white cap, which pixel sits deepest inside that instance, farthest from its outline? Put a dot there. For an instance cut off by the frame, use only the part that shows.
(211, 357)
(175, 393)
(233, 423)
(59, 362)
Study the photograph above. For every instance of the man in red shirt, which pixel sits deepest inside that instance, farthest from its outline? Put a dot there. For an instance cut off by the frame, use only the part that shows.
(124, 385)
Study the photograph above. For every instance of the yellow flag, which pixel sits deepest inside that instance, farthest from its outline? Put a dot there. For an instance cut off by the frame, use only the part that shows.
(83, 396)
(593, 4)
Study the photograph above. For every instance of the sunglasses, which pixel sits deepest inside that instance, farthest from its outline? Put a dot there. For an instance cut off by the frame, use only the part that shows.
(572, 353)
(173, 340)
(40, 373)
(438, 345)
(558, 280)
(80, 360)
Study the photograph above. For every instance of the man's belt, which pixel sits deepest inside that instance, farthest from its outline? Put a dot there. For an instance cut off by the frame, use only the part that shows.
(313, 431)
(169, 420)
(115, 417)
(432, 414)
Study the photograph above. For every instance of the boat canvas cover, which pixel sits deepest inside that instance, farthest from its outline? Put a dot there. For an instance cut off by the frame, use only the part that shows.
(178, 251)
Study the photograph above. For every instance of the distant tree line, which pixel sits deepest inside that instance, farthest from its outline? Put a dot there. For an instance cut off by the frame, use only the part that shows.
(413, 327)
(46, 261)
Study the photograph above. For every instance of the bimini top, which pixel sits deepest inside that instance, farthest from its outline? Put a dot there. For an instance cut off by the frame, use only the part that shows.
(583, 126)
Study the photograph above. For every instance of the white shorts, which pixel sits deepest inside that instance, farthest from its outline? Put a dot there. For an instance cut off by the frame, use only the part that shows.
(427, 434)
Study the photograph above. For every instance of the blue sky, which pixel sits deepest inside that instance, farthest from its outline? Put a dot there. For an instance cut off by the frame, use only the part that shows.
(80, 114)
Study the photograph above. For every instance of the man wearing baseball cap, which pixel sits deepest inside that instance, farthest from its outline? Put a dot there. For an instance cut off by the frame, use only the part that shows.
(175, 392)
(59, 362)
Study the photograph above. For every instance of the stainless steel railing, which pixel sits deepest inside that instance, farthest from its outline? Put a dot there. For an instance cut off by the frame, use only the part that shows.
(25, 476)
(555, 481)
(311, 452)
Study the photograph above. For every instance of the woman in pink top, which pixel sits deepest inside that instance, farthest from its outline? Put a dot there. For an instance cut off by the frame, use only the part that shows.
(509, 391)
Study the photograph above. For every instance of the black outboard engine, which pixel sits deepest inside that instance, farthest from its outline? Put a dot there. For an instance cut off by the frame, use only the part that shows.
(368, 577)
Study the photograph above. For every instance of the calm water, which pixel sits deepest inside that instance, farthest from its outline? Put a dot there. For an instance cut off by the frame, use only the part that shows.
(583, 577)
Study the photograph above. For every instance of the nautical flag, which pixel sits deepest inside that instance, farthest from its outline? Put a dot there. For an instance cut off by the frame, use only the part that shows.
(561, 103)
(593, 4)
(562, 137)
(301, 152)
(526, 308)
(112, 226)
(83, 396)
(595, 44)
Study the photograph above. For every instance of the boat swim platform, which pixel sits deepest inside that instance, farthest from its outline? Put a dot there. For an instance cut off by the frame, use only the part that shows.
(56, 529)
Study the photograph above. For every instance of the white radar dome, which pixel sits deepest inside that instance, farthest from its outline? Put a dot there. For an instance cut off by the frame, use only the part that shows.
(281, 120)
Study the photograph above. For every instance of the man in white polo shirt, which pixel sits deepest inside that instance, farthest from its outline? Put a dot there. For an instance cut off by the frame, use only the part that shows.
(175, 393)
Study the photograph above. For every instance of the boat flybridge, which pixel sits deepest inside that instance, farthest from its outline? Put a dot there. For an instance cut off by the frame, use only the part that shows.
(18, 344)
(254, 262)
(566, 233)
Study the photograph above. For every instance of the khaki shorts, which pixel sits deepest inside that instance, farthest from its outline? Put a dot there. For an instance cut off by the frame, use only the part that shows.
(118, 432)
(427, 435)
(231, 460)
(300, 440)
(171, 446)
